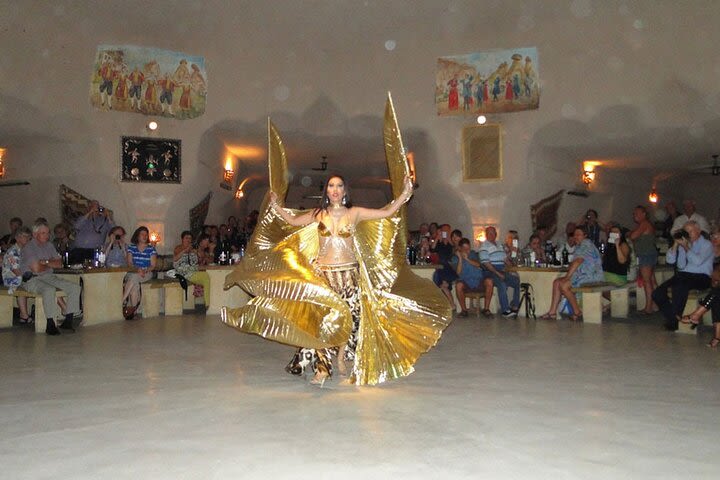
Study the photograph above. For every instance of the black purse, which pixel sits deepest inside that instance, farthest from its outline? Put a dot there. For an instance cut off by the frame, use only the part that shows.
(183, 283)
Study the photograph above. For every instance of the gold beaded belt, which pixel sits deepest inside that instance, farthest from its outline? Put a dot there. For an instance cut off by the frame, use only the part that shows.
(337, 267)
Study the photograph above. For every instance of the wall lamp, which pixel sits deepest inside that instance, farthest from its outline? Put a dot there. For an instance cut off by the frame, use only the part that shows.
(653, 197)
(239, 193)
(229, 173)
(2, 163)
(588, 175)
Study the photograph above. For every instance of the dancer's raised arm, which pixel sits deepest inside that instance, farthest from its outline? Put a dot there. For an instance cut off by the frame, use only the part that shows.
(387, 210)
(299, 221)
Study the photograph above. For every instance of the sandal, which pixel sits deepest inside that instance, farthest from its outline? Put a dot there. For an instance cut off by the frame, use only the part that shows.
(24, 321)
(577, 317)
(714, 342)
(549, 316)
(487, 313)
(688, 320)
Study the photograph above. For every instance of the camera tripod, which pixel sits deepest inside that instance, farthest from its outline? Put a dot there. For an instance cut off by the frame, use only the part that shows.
(527, 296)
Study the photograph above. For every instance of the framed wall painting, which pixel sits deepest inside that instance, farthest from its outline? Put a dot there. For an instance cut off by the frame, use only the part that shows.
(149, 81)
(154, 160)
(482, 152)
(496, 81)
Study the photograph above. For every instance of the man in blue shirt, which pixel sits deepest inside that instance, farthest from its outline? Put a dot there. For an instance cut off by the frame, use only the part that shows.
(470, 275)
(693, 257)
(493, 258)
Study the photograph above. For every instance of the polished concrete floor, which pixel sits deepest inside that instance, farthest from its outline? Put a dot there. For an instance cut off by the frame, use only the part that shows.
(188, 398)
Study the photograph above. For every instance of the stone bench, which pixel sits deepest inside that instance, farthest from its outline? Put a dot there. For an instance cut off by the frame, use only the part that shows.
(475, 297)
(591, 298)
(7, 304)
(161, 295)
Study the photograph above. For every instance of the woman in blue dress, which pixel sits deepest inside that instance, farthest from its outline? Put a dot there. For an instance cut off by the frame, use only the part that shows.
(585, 268)
(142, 258)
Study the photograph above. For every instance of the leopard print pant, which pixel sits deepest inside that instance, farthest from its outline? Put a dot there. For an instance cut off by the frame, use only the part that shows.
(345, 284)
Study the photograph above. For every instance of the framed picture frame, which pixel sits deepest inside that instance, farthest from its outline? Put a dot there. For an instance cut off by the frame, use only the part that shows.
(482, 152)
(152, 160)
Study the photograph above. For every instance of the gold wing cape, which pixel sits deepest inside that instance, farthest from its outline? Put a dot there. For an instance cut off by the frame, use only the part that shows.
(402, 315)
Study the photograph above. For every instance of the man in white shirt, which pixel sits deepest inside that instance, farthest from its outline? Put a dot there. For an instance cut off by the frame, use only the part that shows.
(690, 214)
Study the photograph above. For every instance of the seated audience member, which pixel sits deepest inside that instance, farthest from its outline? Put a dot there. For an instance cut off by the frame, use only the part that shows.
(455, 237)
(512, 250)
(689, 214)
(715, 240)
(542, 233)
(223, 244)
(470, 274)
(492, 258)
(9, 239)
(443, 247)
(39, 257)
(415, 238)
(61, 238)
(617, 257)
(205, 250)
(232, 224)
(142, 257)
(432, 229)
(709, 302)
(595, 230)
(672, 213)
(692, 254)
(534, 246)
(115, 248)
(11, 273)
(643, 238)
(567, 240)
(185, 263)
(91, 230)
(585, 268)
(424, 249)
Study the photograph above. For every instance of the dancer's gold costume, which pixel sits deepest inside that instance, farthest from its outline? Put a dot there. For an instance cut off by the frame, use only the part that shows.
(402, 316)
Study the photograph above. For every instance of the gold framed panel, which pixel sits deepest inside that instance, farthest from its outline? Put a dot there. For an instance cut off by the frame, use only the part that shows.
(482, 153)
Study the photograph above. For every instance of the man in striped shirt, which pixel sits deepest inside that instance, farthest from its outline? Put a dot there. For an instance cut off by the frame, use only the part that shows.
(492, 258)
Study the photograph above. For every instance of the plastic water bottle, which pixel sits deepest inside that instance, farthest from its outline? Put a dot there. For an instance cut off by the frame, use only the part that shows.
(96, 258)
(101, 258)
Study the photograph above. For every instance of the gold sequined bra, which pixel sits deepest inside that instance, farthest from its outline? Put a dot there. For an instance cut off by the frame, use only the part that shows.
(335, 249)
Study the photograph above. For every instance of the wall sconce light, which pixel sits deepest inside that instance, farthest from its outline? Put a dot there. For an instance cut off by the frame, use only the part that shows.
(152, 125)
(481, 237)
(154, 238)
(229, 173)
(239, 193)
(588, 175)
(653, 197)
(482, 119)
(2, 163)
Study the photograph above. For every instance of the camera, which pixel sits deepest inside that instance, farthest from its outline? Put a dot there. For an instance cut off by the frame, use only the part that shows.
(117, 237)
(443, 234)
(101, 209)
(680, 235)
